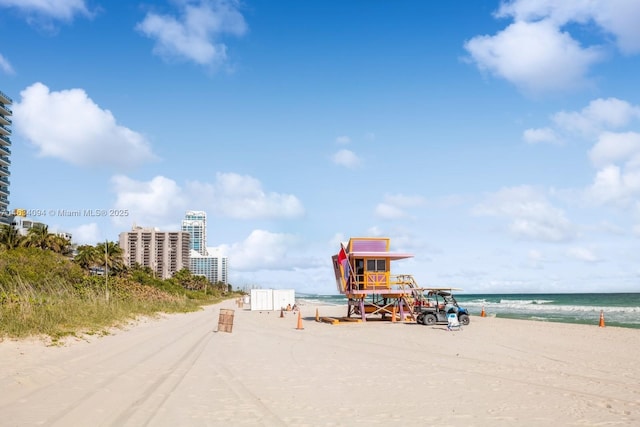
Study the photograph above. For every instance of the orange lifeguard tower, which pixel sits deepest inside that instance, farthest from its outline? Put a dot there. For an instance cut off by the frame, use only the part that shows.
(363, 275)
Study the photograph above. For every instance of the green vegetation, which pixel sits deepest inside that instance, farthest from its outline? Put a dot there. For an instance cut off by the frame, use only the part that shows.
(43, 291)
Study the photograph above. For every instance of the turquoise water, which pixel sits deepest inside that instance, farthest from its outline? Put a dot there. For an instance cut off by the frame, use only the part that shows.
(620, 309)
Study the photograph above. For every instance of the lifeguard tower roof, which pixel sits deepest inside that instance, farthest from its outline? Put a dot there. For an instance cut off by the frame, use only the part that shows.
(365, 247)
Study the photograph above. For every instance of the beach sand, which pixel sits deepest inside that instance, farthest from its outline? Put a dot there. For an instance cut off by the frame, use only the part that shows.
(178, 371)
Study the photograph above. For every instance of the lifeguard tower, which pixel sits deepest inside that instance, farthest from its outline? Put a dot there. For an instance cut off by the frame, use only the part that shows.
(363, 275)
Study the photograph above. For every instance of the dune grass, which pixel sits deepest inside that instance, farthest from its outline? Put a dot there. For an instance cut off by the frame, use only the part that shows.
(70, 303)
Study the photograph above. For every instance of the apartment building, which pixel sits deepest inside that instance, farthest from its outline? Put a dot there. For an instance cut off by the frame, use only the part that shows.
(164, 252)
(5, 153)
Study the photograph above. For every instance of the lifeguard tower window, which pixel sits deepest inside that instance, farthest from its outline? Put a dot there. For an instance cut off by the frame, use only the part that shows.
(376, 265)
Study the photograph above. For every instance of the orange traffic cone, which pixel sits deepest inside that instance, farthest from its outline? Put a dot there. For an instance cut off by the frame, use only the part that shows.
(393, 314)
(281, 312)
(482, 313)
(601, 319)
(299, 321)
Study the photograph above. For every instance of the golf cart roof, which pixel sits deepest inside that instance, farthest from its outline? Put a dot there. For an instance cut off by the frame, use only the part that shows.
(441, 291)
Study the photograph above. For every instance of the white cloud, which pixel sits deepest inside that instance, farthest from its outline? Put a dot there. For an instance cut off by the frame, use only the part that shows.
(86, 234)
(394, 206)
(538, 53)
(617, 182)
(535, 256)
(616, 155)
(535, 56)
(600, 114)
(541, 135)
(614, 186)
(264, 250)
(387, 211)
(616, 17)
(530, 214)
(614, 148)
(242, 197)
(5, 65)
(583, 254)
(68, 125)
(343, 140)
(161, 202)
(195, 34)
(156, 203)
(346, 158)
(63, 10)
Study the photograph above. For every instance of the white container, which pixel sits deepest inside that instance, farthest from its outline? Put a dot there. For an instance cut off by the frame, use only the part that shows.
(283, 298)
(261, 299)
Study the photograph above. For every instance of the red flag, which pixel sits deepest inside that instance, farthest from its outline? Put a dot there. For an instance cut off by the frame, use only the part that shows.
(342, 255)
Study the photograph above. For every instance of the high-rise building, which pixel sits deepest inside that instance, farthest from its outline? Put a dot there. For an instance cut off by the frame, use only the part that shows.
(213, 266)
(202, 261)
(164, 252)
(5, 152)
(195, 223)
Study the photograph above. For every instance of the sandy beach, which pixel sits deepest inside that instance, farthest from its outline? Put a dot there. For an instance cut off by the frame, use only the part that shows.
(177, 370)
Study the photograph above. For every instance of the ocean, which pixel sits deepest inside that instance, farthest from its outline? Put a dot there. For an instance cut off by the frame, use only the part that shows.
(620, 309)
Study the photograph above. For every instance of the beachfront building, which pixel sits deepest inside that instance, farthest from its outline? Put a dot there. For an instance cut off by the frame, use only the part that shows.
(195, 223)
(203, 261)
(213, 267)
(5, 153)
(164, 252)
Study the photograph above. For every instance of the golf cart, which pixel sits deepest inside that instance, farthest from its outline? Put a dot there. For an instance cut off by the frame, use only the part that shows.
(441, 303)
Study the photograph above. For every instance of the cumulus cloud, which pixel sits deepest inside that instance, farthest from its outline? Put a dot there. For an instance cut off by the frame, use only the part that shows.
(613, 148)
(529, 213)
(69, 126)
(5, 65)
(541, 135)
(616, 17)
(86, 234)
(63, 10)
(158, 202)
(535, 56)
(346, 158)
(242, 197)
(395, 206)
(264, 250)
(601, 114)
(616, 186)
(538, 53)
(615, 152)
(161, 201)
(195, 34)
(583, 254)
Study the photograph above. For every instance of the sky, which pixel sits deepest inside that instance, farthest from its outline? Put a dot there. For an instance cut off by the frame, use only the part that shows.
(497, 141)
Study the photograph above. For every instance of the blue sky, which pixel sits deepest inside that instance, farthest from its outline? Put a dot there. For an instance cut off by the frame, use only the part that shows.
(498, 141)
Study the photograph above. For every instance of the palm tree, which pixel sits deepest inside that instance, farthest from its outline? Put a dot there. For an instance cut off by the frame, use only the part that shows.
(112, 254)
(10, 238)
(87, 257)
(60, 245)
(38, 236)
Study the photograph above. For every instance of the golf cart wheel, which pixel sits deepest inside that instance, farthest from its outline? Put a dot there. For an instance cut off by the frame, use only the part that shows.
(464, 319)
(420, 318)
(429, 320)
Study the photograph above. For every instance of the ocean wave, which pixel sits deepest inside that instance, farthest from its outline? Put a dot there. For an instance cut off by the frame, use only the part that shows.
(526, 306)
(320, 301)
